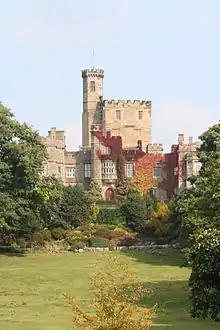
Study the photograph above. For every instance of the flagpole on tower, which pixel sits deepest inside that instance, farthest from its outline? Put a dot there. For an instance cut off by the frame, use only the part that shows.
(93, 59)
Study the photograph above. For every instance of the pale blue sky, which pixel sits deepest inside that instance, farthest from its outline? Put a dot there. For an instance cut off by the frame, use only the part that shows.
(166, 51)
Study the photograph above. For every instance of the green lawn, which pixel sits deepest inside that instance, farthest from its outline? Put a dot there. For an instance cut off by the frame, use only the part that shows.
(32, 287)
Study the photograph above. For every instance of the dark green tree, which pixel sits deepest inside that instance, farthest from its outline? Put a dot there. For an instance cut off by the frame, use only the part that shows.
(95, 191)
(199, 207)
(21, 157)
(151, 204)
(204, 282)
(197, 213)
(134, 211)
(75, 206)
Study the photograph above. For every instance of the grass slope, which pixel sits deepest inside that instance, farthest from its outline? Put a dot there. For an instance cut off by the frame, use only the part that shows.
(32, 287)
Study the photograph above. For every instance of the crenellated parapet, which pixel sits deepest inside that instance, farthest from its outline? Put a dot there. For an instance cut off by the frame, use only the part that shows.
(119, 103)
(154, 148)
(89, 73)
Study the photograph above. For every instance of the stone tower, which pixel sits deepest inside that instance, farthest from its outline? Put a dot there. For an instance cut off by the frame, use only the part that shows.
(92, 95)
(96, 173)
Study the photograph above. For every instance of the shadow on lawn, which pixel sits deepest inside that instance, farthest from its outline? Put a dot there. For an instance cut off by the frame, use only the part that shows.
(160, 257)
(173, 307)
(11, 251)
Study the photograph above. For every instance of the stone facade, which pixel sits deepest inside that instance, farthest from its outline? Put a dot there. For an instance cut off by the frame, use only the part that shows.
(129, 119)
(109, 126)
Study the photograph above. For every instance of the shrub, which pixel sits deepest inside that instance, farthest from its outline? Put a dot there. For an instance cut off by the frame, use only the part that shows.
(21, 241)
(41, 237)
(116, 293)
(58, 233)
(128, 241)
(77, 245)
(110, 216)
(88, 229)
(74, 237)
(160, 220)
(103, 233)
(119, 233)
(6, 238)
(10, 249)
(98, 242)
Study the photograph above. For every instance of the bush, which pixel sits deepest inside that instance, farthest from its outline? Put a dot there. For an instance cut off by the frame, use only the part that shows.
(10, 249)
(98, 242)
(41, 237)
(6, 238)
(110, 217)
(119, 233)
(75, 236)
(77, 245)
(115, 307)
(159, 222)
(21, 241)
(88, 229)
(58, 233)
(128, 241)
(103, 232)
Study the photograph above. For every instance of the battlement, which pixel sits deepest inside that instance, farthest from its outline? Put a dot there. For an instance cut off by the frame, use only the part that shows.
(155, 148)
(92, 73)
(55, 134)
(112, 103)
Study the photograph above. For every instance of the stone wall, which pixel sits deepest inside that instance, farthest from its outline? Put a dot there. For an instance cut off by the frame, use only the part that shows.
(129, 119)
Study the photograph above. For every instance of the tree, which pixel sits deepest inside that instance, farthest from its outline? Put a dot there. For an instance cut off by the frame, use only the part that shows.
(94, 212)
(204, 281)
(199, 207)
(21, 158)
(198, 214)
(151, 204)
(95, 191)
(49, 196)
(160, 219)
(122, 188)
(116, 294)
(75, 206)
(135, 212)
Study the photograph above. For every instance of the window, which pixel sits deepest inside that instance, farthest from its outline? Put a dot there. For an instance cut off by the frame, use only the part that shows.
(158, 171)
(118, 115)
(140, 115)
(59, 169)
(129, 169)
(137, 132)
(108, 169)
(87, 170)
(70, 172)
(92, 86)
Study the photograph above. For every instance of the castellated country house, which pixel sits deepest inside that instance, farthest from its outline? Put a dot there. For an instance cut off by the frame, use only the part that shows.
(123, 127)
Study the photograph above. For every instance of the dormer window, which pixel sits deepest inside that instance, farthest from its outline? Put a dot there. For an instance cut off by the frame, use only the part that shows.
(92, 86)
